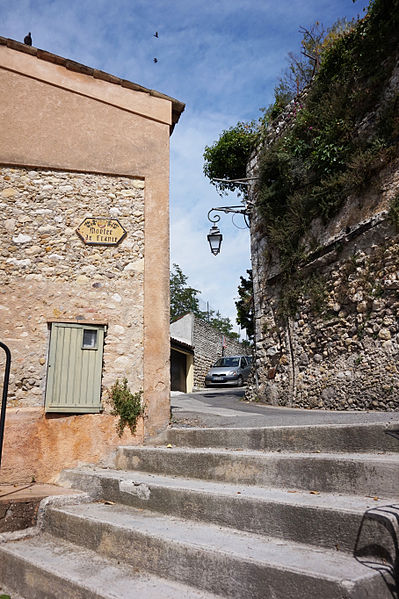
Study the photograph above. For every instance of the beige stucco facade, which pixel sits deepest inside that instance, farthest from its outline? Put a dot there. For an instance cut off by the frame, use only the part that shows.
(78, 143)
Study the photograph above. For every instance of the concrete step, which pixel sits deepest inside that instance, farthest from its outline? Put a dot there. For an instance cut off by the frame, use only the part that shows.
(351, 474)
(43, 567)
(325, 520)
(346, 438)
(6, 591)
(214, 559)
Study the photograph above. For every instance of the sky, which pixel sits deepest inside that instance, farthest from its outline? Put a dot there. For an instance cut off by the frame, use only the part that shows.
(221, 58)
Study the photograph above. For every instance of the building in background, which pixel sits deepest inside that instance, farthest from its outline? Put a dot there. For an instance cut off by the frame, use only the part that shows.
(195, 347)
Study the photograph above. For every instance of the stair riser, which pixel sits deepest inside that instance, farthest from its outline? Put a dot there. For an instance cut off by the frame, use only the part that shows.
(330, 529)
(330, 438)
(281, 471)
(33, 582)
(220, 572)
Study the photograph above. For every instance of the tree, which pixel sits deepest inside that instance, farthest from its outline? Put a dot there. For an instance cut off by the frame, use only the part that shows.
(222, 324)
(227, 158)
(183, 298)
(302, 66)
(245, 305)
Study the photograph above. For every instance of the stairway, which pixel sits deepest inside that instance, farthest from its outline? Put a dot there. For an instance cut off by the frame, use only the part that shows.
(304, 512)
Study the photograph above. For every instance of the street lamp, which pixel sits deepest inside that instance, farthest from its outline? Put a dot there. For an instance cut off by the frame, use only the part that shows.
(214, 236)
(215, 239)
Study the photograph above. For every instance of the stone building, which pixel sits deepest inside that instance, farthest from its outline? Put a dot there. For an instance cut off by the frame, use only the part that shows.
(84, 257)
(195, 347)
(340, 350)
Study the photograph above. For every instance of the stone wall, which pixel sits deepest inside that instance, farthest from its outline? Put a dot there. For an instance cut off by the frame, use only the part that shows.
(208, 346)
(47, 273)
(340, 349)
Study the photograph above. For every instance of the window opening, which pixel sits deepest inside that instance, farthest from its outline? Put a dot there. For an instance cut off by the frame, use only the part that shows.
(89, 339)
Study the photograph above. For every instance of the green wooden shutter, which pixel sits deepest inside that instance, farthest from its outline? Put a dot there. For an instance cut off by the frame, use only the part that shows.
(74, 368)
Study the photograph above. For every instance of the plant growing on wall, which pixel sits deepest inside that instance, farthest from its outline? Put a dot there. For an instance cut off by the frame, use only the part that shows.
(324, 156)
(227, 158)
(126, 405)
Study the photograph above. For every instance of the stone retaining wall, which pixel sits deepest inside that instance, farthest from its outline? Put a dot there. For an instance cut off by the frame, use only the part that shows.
(340, 350)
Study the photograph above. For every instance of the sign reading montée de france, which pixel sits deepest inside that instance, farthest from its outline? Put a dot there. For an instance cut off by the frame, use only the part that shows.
(101, 231)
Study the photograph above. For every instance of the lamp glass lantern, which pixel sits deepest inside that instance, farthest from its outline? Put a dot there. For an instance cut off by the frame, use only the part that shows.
(215, 240)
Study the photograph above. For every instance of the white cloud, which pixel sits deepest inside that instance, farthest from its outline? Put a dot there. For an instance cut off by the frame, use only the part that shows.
(222, 58)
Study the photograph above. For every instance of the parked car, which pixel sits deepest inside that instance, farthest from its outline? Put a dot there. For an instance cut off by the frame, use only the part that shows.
(229, 370)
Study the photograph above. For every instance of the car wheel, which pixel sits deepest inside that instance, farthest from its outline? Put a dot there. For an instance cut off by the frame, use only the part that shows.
(240, 381)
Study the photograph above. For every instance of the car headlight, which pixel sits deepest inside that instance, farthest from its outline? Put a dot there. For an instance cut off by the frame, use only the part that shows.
(232, 373)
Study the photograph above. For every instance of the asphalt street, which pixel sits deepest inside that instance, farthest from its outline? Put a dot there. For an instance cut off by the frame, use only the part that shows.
(226, 408)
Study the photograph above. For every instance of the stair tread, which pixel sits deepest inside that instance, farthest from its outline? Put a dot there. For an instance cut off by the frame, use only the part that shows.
(389, 421)
(106, 578)
(313, 561)
(128, 480)
(298, 455)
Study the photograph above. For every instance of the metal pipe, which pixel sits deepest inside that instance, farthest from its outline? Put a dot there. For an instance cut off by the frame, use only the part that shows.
(4, 396)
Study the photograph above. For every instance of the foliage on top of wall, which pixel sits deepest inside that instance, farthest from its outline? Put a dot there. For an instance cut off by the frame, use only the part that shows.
(343, 134)
(227, 158)
(316, 40)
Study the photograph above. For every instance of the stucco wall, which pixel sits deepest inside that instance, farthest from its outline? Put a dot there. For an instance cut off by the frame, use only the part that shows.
(75, 142)
(37, 447)
(182, 329)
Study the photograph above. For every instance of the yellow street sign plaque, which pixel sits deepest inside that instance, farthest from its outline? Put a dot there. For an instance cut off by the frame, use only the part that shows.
(101, 231)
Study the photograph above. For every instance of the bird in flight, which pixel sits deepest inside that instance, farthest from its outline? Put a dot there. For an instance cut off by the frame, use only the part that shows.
(156, 34)
(155, 60)
(28, 39)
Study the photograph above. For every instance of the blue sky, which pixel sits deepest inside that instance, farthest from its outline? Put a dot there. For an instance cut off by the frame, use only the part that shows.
(221, 58)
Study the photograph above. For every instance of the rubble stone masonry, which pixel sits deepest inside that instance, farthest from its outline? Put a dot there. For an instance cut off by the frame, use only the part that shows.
(47, 273)
(340, 349)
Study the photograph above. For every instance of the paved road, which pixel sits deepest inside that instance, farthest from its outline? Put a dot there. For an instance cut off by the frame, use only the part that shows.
(226, 408)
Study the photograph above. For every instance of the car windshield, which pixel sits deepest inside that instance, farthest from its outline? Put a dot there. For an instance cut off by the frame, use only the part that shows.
(230, 362)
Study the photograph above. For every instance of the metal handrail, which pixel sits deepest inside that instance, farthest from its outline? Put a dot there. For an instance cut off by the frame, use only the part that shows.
(4, 397)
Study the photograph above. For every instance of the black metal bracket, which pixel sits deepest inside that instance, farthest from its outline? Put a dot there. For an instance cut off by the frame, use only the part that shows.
(4, 395)
(227, 210)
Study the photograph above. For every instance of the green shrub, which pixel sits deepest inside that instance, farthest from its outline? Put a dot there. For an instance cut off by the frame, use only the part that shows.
(126, 405)
(227, 158)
